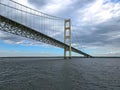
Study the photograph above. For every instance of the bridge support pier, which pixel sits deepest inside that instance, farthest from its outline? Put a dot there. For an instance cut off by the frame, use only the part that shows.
(67, 38)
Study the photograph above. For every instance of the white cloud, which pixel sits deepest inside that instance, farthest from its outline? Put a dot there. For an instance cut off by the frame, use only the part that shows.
(56, 6)
(105, 50)
(99, 12)
(2, 34)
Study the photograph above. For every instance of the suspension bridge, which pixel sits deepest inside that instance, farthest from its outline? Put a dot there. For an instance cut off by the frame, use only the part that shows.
(21, 20)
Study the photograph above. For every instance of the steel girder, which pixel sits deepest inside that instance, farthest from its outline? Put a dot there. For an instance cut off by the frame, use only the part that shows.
(13, 27)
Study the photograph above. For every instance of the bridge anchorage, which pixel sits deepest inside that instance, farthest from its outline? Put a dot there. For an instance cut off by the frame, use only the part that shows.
(15, 25)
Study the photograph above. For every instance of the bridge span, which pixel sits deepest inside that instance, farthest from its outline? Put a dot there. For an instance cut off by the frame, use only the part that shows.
(10, 25)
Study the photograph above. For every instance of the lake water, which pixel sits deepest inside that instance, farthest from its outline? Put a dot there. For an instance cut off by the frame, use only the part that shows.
(59, 74)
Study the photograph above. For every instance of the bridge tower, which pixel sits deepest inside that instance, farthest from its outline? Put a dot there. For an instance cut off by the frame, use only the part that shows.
(67, 38)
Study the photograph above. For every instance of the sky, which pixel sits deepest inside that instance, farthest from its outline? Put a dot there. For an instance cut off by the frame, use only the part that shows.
(95, 28)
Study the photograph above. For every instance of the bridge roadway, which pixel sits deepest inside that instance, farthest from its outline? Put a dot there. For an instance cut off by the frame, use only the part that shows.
(16, 28)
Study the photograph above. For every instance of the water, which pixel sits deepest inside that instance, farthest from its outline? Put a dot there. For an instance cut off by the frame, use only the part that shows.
(59, 74)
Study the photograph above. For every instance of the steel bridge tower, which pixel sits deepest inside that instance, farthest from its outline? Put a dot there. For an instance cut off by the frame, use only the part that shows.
(67, 38)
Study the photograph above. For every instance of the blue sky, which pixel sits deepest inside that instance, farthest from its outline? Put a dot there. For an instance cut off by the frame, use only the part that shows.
(95, 24)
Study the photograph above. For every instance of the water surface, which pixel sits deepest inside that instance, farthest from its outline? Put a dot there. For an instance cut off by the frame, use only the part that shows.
(59, 74)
